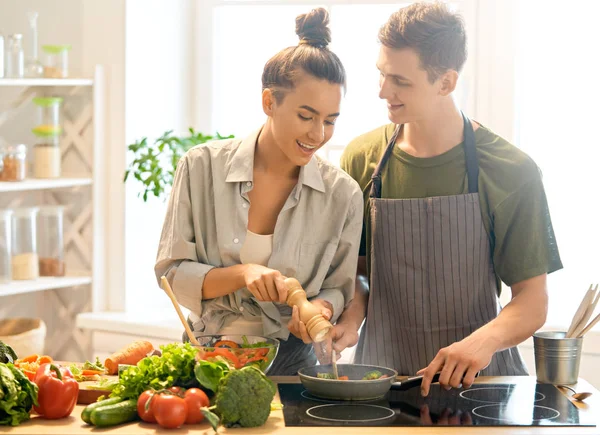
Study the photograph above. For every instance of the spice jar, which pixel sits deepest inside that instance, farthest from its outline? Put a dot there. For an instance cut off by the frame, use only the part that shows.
(5, 245)
(14, 163)
(51, 242)
(15, 61)
(25, 263)
(48, 115)
(46, 155)
(56, 65)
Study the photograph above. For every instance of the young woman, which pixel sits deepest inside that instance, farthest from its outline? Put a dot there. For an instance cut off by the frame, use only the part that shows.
(245, 214)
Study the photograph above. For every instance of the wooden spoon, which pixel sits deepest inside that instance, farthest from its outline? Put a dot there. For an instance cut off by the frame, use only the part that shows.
(167, 288)
(585, 302)
(577, 396)
(588, 312)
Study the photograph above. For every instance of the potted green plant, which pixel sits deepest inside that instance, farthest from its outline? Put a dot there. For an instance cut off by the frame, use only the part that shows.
(154, 165)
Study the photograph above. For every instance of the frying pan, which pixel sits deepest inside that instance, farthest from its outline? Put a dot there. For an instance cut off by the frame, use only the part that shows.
(355, 388)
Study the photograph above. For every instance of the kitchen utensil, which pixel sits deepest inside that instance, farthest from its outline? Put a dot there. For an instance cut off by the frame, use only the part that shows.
(355, 388)
(588, 312)
(580, 312)
(167, 288)
(577, 396)
(334, 363)
(556, 357)
(589, 326)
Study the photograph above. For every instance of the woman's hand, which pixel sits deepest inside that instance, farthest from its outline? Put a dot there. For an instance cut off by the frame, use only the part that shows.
(297, 326)
(265, 284)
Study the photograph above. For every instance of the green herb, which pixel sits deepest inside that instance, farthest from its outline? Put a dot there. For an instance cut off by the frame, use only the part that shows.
(209, 373)
(94, 366)
(154, 165)
(17, 395)
(7, 354)
(174, 367)
(247, 344)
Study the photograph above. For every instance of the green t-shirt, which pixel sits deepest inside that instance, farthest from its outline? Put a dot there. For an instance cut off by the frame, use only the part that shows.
(513, 202)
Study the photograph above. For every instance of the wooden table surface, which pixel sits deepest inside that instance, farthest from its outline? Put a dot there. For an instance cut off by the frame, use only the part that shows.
(275, 425)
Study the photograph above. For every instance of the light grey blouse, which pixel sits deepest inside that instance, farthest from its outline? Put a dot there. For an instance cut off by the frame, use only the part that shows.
(316, 237)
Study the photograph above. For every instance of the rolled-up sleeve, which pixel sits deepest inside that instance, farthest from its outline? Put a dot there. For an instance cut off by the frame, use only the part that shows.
(338, 286)
(179, 246)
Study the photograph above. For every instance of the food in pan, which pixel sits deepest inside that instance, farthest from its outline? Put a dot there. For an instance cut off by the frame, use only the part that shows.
(371, 375)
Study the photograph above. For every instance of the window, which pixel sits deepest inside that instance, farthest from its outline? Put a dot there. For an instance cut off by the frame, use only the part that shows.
(557, 116)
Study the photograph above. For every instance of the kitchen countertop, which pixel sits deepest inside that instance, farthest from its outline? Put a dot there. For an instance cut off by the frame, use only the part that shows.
(275, 424)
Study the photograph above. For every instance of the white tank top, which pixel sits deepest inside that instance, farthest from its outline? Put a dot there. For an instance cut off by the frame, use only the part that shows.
(257, 249)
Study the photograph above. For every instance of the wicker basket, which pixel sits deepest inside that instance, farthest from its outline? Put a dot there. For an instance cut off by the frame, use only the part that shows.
(25, 335)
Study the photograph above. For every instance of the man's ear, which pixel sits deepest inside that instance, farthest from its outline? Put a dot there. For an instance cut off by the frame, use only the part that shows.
(268, 100)
(448, 82)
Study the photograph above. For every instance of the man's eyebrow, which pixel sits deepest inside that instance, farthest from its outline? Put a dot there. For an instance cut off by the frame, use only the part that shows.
(396, 76)
(316, 112)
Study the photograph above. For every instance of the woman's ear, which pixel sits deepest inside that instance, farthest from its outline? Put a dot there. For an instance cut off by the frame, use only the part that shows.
(268, 99)
(448, 82)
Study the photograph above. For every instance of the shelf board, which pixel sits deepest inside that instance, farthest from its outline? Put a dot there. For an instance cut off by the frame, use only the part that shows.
(41, 184)
(46, 82)
(42, 284)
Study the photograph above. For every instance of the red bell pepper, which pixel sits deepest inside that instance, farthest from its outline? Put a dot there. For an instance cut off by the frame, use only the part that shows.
(58, 391)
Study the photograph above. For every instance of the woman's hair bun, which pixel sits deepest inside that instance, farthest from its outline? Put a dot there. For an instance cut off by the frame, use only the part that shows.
(312, 28)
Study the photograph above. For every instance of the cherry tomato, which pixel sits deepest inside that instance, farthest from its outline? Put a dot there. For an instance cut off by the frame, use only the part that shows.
(195, 399)
(169, 410)
(144, 414)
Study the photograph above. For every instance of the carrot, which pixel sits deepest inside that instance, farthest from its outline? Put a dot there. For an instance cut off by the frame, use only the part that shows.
(343, 378)
(131, 354)
(88, 372)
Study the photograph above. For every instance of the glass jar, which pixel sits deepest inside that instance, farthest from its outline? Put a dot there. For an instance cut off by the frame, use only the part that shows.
(56, 65)
(5, 245)
(25, 263)
(51, 241)
(48, 115)
(14, 163)
(46, 156)
(15, 60)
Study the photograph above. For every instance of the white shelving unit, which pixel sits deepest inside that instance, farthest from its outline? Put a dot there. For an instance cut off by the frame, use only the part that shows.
(35, 184)
(58, 300)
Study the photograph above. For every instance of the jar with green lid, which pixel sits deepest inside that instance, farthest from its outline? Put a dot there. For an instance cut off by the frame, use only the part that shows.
(56, 65)
(14, 162)
(46, 155)
(48, 115)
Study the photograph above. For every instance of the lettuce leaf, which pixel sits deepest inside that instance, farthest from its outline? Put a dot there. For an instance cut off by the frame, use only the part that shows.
(17, 395)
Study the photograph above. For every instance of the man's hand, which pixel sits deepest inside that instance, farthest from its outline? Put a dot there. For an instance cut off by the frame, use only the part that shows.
(341, 337)
(265, 284)
(459, 363)
(298, 328)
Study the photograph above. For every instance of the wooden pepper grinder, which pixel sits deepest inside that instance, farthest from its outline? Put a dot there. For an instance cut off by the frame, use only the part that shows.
(317, 326)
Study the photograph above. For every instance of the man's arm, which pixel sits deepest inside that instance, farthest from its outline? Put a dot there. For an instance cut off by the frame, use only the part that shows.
(345, 332)
(522, 316)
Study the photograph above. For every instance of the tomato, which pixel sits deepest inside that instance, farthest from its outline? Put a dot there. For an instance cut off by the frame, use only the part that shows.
(144, 414)
(195, 399)
(169, 410)
(177, 391)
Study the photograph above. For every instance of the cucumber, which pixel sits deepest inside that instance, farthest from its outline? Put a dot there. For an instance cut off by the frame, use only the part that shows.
(87, 411)
(112, 415)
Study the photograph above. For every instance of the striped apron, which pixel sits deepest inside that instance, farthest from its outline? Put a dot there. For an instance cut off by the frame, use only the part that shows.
(432, 278)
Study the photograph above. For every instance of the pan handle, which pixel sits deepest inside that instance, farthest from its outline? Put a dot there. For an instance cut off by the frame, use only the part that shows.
(414, 381)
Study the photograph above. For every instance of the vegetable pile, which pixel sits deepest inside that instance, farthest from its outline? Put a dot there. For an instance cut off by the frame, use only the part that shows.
(17, 395)
(244, 355)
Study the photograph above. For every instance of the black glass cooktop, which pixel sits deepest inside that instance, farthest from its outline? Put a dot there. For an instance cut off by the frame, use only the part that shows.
(526, 404)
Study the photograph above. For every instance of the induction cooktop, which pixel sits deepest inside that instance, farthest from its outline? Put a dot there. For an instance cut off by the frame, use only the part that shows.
(519, 404)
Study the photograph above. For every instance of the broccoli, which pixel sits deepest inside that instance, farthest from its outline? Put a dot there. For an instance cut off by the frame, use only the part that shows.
(325, 376)
(243, 398)
(373, 374)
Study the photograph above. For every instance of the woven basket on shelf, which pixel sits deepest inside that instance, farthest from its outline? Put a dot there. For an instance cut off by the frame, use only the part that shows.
(25, 335)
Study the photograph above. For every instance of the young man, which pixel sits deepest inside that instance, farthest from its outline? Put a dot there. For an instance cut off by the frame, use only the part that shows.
(452, 210)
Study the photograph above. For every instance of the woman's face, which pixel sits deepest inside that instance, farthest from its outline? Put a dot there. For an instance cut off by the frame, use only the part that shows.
(305, 119)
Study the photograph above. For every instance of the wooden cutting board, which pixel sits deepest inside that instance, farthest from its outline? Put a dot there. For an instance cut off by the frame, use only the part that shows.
(88, 395)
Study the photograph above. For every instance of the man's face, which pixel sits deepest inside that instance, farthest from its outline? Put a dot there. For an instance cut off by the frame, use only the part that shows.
(304, 121)
(405, 86)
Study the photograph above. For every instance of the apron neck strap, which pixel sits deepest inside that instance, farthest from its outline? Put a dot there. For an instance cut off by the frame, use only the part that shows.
(470, 159)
